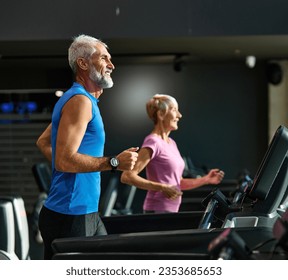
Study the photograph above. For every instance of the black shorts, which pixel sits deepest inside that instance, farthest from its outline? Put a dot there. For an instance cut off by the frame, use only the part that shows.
(54, 225)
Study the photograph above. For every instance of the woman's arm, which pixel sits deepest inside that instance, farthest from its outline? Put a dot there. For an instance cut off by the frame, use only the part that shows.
(132, 177)
(214, 177)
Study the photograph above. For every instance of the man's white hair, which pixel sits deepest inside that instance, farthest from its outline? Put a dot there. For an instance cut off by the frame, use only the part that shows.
(82, 46)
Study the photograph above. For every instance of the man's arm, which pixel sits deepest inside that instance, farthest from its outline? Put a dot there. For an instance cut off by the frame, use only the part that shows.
(44, 143)
(75, 117)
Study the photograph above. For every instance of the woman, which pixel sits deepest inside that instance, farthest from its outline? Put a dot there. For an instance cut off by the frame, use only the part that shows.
(164, 164)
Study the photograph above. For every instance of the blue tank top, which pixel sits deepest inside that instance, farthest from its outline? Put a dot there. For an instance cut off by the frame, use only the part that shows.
(77, 193)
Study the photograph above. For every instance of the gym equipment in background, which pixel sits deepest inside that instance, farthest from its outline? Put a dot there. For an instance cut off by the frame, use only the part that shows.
(16, 227)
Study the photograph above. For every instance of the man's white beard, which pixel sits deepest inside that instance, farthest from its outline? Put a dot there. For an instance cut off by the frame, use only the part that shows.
(100, 80)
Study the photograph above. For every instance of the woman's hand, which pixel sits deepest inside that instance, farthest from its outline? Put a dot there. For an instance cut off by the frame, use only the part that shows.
(215, 176)
(171, 192)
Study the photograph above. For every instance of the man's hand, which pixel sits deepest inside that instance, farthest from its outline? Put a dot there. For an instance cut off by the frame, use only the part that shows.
(127, 159)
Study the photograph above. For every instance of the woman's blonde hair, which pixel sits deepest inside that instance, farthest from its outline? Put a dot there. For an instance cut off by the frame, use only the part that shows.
(159, 102)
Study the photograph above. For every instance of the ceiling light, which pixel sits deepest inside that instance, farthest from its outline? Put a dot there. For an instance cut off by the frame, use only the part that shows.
(58, 93)
(250, 61)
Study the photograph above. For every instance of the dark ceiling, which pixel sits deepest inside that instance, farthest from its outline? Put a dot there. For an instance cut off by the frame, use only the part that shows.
(159, 50)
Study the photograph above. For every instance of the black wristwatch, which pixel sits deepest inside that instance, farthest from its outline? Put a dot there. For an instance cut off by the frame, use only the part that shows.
(114, 162)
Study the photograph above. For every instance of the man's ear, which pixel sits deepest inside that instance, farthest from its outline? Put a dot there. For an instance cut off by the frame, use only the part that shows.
(82, 63)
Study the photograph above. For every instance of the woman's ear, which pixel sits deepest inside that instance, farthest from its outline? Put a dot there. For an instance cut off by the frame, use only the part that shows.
(160, 115)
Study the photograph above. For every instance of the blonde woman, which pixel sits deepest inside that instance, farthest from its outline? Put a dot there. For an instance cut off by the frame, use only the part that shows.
(164, 164)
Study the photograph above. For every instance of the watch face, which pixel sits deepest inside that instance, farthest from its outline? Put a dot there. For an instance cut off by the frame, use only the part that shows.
(114, 162)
